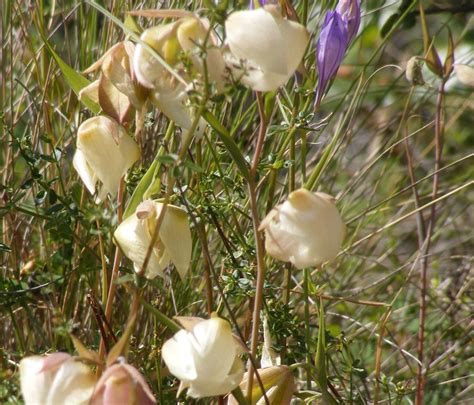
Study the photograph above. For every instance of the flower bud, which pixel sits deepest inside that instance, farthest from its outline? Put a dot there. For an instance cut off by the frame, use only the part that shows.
(55, 379)
(205, 359)
(305, 230)
(465, 74)
(122, 384)
(265, 48)
(174, 244)
(349, 10)
(104, 152)
(414, 72)
(278, 382)
(331, 48)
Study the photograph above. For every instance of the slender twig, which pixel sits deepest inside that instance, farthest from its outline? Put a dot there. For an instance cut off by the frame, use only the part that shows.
(115, 269)
(260, 250)
(439, 129)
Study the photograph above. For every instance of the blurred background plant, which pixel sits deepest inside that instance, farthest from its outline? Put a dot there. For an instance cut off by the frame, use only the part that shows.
(372, 144)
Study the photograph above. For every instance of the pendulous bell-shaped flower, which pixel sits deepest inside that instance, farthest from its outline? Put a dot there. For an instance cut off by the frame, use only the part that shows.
(205, 358)
(174, 244)
(104, 153)
(265, 48)
(55, 379)
(122, 384)
(175, 42)
(305, 230)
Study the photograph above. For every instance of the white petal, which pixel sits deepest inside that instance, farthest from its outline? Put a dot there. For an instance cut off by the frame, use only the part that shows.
(215, 348)
(255, 35)
(85, 172)
(108, 149)
(176, 237)
(147, 68)
(73, 384)
(306, 230)
(465, 74)
(173, 106)
(179, 356)
(208, 387)
(134, 239)
(34, 383)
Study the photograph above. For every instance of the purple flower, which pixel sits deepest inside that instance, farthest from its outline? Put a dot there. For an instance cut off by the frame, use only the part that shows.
(261, 2)
(331, 48)
(349, 10)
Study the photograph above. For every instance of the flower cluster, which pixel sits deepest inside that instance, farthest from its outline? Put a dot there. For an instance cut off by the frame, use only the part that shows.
(262, 50)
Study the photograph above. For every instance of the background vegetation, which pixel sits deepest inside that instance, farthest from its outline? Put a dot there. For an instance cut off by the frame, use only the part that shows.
(372, 144)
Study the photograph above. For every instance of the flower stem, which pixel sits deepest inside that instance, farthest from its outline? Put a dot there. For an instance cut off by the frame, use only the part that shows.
(115, 269)
(259, 246)
(439, 130)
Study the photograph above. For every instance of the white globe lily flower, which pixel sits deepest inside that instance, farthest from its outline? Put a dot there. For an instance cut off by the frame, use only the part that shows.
(55, 379)
(205, 358)
(174, 243)
(172, 42)
(104, 152)
(266, 48)
(305, 230)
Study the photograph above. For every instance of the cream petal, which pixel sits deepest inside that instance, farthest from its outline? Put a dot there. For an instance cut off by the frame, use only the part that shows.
(173, 106)
(179, 356)
(465, 74)
(176, 237)
(208, 387)
(306, 230)
(108, 149)
(295, 39)
(91, 91)
(73, 384)
(147, 68)
(84, 170)
(215, 347)
(133, 238)
(34, 383)
(255, 35)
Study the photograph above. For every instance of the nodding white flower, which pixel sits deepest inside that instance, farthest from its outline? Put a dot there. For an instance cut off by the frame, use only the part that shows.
(55, 379)
(265, 48)
(205, 358)
(305, 230)
(104, 152)
(175, 42)
(278, 382)
(174, 243)
(122, 384)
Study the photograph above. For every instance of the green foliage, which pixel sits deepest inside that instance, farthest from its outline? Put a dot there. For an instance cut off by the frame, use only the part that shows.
(56, 241)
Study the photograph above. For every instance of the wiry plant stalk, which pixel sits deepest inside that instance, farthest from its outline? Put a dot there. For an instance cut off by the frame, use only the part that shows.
(260, 250)
(115, 269)
(439, 132)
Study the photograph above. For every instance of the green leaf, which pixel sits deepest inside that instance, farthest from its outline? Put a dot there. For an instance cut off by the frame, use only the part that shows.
(172, 325)
(229, 143)
(321, 358)
(142, 188)
(5, 248)
(75, 80)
